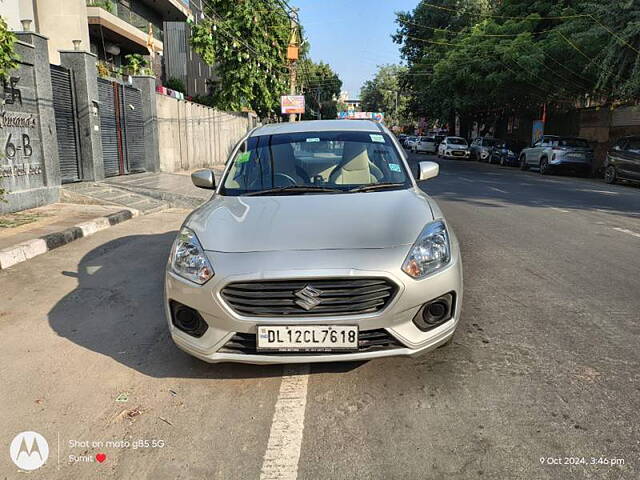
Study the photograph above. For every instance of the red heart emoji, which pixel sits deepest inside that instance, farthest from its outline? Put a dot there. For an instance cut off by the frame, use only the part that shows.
(101, 457)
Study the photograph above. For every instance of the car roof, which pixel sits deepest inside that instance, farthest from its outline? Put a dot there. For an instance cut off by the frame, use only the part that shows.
(318, 126)
(460, 138)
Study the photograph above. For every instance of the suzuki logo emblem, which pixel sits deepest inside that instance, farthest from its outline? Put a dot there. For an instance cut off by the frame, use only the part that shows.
(308, 297)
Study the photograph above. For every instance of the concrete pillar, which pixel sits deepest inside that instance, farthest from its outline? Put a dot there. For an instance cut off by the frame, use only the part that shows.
(85, 79)
(147, 86)
(39, 57)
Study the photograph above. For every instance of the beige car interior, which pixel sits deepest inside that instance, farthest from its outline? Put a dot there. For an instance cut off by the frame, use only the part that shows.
(355, 168)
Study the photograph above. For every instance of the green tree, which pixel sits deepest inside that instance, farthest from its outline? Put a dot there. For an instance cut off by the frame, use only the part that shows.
(382, 92)
(8, 56)
(321, 87)
(246, 41)
(517, 55)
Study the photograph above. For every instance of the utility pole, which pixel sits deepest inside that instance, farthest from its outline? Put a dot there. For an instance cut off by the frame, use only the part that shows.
(292, 56)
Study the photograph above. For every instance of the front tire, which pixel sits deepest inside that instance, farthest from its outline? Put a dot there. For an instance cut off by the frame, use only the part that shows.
(610, 174)
(544, 166)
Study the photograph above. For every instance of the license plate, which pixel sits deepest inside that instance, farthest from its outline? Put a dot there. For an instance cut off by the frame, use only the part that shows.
(309, 338)
(458, 152)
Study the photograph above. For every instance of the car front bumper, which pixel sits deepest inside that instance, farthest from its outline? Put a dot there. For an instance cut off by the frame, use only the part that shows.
(452, 154)
(396, 318)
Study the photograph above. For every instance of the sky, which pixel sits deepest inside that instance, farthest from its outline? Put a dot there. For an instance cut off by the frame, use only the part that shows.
(353, 36)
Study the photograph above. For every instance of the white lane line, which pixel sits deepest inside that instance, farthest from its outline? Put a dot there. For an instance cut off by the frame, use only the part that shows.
(607, 192)
(465, 179)
(560, 210)
(498, 190)
(285, 438)
(628, 232)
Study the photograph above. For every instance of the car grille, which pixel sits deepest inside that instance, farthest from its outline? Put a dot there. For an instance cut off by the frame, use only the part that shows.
(368, 341)
(351, 296)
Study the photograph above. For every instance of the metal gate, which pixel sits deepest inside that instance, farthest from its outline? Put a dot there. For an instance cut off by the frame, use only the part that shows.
(64, 107)
(134, 128)
(122, 128)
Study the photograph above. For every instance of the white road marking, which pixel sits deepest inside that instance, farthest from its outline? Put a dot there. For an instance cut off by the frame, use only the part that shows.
(628, 232)
(465, 179)
(598, 191)
(285, 438)
(560, 209)
(498, 190)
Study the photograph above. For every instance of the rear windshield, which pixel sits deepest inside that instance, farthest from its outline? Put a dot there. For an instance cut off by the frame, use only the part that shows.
(331, 160)
(571, 142)
(457, 141)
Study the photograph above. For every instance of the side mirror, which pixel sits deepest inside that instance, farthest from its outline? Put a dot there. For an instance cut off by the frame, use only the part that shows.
(428, 170)
(204, 179)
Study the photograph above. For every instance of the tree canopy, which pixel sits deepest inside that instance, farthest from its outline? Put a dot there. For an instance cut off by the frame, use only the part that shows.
(321, 86)
(471, 57)
(247, 43)
(380, 94)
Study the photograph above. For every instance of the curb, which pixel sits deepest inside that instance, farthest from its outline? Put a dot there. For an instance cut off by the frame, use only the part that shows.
(31, 248)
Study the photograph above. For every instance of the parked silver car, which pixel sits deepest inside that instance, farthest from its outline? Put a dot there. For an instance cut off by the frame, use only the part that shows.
(426, 145)
(554, 153)
(317, 246)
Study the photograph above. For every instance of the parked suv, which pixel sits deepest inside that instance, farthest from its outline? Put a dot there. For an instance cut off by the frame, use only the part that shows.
(425, 144)
(453, 147)
(553, 153)
(481, 148)
(623, 160)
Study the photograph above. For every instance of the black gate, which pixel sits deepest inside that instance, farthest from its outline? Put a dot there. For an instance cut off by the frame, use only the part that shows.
(134, 128)
(64, 106)
(122, 127)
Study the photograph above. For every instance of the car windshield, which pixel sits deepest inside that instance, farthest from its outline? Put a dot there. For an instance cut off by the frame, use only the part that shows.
(456, 141)
(320, 162)
(573, 142)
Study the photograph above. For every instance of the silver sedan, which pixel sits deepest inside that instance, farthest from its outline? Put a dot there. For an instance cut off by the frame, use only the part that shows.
(316, 246)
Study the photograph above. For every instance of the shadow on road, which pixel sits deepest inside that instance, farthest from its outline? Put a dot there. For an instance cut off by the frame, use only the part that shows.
(117, 310)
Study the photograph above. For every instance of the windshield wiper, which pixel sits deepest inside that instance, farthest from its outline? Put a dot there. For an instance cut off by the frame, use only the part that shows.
(376, 186)
(295, 189)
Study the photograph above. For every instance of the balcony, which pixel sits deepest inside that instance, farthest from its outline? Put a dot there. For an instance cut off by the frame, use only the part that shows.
(107, 27)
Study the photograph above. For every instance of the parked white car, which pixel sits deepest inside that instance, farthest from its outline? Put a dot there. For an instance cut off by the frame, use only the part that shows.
(454, 147)
(410, 142)
(426, 145)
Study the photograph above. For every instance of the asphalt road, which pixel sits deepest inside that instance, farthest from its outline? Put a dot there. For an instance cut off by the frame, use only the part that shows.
(544, 364)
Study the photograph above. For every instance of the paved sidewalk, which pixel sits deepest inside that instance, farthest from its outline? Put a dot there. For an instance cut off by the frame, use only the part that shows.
(174, 188)
(26, 234)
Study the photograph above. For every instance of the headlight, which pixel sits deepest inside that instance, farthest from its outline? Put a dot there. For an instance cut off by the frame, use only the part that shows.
(188, 258)
(430, 253)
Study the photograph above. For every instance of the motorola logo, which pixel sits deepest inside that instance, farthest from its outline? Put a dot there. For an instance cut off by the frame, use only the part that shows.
(29, 450)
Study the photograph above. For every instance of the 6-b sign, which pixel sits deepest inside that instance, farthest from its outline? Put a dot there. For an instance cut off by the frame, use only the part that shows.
(10, 148)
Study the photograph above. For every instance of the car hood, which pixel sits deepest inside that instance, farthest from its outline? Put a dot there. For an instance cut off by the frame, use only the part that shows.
(311, 222)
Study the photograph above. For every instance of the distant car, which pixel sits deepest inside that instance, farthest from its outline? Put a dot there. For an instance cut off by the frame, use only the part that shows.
(425, 144)
(410, 142)
(623, 160)
(454, 147)
(505, 154)
(554, 153)
(480, 148)
(402, 137)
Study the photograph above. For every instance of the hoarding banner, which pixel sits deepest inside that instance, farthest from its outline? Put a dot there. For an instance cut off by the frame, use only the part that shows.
(292, 104)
